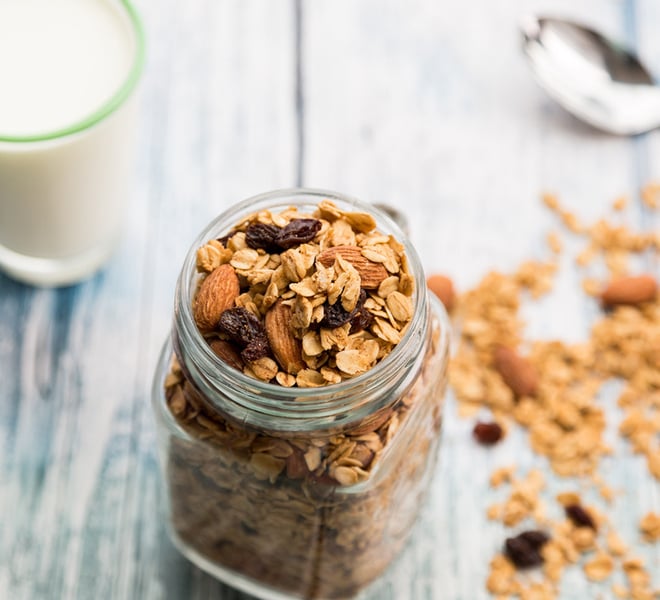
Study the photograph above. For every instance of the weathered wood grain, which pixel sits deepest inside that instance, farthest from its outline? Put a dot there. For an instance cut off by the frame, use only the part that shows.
(441, 118)
(425, 105)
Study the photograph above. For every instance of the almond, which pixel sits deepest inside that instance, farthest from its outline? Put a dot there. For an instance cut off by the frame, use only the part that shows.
(215, 295)
(285, 346)
(629, 290)
(371, 273)
(371, 423)
(228, 353)
(296, 468)
(443, 288)
(516, 371)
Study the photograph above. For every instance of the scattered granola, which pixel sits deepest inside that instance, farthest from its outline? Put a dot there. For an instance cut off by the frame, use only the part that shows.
(554, 242)
(568, 543)
(651, 195)
(615, 545)
(600, 567)
(620, 203)
(639, 580)
(550, 388)
(501, 476)
(523, 501)
(650, 527)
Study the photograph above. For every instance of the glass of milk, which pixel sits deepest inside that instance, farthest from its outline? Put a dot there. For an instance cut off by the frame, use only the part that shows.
(68, 71)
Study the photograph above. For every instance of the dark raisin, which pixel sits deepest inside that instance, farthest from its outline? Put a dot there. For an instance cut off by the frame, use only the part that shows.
(362, 318)
(580, 516)
(241, 325)
(487, 434)
(524, 550)
(256, 349)
(296, 232)
(261, 235)
(537, 539)
(334, 315)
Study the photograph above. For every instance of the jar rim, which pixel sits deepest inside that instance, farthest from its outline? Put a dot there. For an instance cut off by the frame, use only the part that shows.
(296, 402)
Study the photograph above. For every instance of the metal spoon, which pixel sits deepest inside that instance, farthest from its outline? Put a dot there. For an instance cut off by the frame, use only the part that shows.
(594, 78)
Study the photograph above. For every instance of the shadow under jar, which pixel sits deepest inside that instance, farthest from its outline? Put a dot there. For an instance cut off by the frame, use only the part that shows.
(298, 492)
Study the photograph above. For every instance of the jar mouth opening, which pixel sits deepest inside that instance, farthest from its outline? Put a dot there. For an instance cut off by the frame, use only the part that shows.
(305, 399)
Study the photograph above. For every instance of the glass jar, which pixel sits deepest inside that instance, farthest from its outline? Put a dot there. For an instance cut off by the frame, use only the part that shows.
(298, 492)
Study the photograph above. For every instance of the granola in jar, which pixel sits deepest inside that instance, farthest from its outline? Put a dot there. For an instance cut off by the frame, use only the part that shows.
(299, 400)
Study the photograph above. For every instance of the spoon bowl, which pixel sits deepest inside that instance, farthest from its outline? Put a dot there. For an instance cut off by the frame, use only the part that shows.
(594, 78)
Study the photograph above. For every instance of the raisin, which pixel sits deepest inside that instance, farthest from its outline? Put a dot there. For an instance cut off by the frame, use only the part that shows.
(334, 315)
(487, 434)
(537, 539)
(241, 325)
(256, 349)
(362, 298)
(296, 232)
(261, 235)
(580, 516)
(247, 331)
(362, 318)
(524, 550)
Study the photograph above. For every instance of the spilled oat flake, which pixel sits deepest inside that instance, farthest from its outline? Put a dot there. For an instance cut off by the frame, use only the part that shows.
(560, 412)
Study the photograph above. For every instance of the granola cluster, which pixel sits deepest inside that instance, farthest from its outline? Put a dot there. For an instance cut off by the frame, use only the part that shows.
(551, 389)
(304, 300)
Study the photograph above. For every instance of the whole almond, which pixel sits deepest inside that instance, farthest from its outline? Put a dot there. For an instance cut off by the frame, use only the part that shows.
(372, 422)
(296, 468)
(228, 353)
(443, 288)
(516, 371)
(215, 295)
(629, 290)
(371, 273)
(285, 346)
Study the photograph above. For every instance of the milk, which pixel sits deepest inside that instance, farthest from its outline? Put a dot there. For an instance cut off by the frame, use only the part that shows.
(66, 121)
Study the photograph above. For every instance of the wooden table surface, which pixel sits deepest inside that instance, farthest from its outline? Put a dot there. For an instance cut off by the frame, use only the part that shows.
(425, 105)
